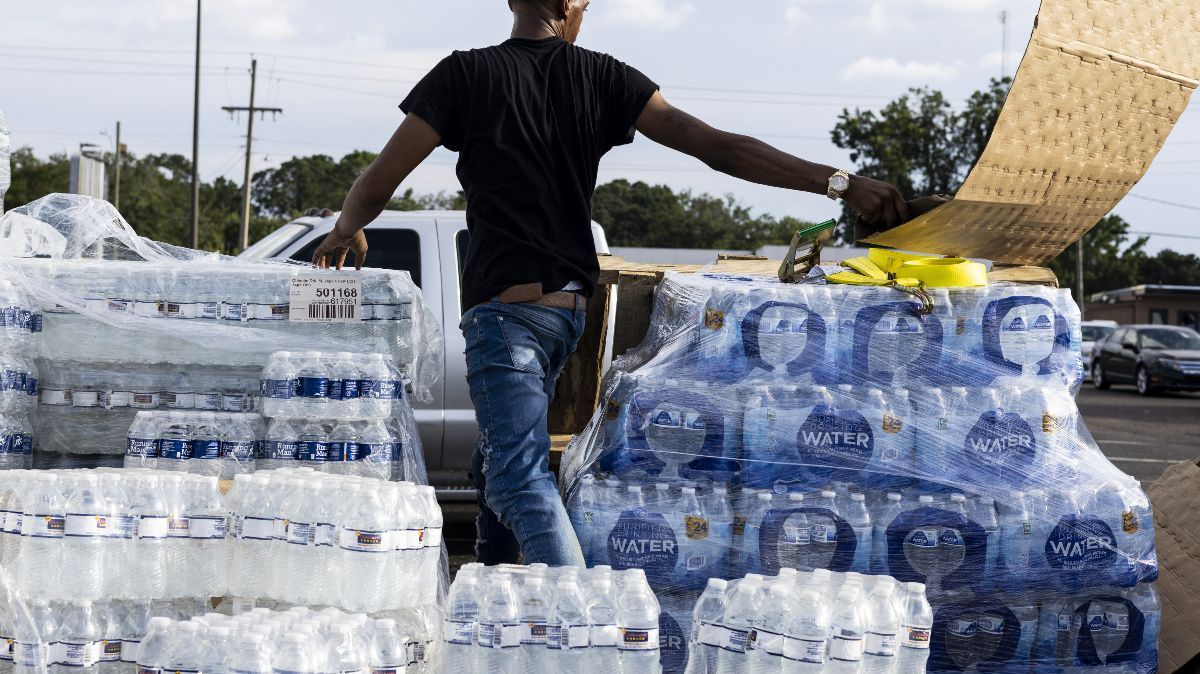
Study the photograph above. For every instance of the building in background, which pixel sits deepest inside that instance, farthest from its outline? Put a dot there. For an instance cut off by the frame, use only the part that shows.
(1148, 304)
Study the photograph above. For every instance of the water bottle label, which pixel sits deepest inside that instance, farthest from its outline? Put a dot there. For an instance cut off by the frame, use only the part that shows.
(31, 385)
(804, 650)
(115, 399)
(206, 450)
(178, 526)
(991, 624)
(152, 527)
(32, 655)
(379, 389)
(335, 389)
(604, 636)
(313, 387)
(206, 528)
(6, 650)
(44, 526)
(554, 637)
(209, 311)
(378, 450)
(324, 535)
(147, 309)
(85, 398)
(534, 634)
(129, 650)
(350, 389)
(11, 380)
(209, 402)
(281, 450)
(736, 641)
(79, 653)
(388, 669)
(499, 636)
(175, 449)
(233, 311)
(22, 444)
(457, 632)
(575, 636)
(950, 537)
(85, 525)
(881, 644)
(313, 451)
(638, 639)
(433, 537)
(273, 312)
(234, 402)
(356, 540)
(823, 533)
(111, 651)
(123, 526)
(1081, 542)
(847, 649)
(797, 534)
(257, 528)
(768, 642)
(144, 400)
(278, 389)
(696, 562)
(338, 450)
(237, 450)
(923, 538)
(1117, 621)
(300, 533)
(962, 627)
(915, 637)
(279, 529)
(56, 396)
(710, 634)
(179, 400)
(144, 669)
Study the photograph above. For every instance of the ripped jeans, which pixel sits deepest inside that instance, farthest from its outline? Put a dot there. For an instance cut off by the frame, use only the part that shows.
(515, 353)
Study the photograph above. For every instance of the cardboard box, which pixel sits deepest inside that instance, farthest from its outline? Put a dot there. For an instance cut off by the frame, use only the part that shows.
(1100, 88)
(1176, 500)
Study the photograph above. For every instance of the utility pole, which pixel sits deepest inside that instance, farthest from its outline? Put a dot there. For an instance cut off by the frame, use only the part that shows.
(117, 172)
(196, 141)
(244, 240)
(1079, 278)
(1004, 44)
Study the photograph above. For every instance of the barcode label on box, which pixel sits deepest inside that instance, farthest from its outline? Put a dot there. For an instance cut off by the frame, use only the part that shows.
(325, 298)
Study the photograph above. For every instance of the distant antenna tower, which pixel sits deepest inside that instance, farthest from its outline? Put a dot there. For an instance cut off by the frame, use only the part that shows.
(1004, 44)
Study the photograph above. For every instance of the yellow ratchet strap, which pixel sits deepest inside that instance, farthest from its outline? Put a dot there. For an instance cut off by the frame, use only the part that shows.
(884, 268)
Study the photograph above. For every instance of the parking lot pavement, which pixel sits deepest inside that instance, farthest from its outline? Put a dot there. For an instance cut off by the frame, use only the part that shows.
(1142, 435)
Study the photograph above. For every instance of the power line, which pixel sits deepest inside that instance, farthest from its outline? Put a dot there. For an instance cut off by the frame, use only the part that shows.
(1164, 202)
(1173, 236)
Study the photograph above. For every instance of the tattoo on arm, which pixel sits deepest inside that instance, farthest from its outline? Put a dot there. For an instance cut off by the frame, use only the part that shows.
(681, 120)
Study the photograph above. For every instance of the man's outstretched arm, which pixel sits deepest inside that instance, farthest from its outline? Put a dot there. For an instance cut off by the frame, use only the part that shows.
(750, 159)
(408, 147)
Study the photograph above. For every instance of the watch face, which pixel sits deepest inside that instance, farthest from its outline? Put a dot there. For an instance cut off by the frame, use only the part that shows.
(839, 183)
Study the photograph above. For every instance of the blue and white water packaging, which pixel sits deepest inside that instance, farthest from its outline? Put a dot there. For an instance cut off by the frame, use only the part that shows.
(1024, 335)
(884, 338)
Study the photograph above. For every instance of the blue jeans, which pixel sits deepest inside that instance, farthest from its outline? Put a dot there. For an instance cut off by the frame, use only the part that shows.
(515, 353)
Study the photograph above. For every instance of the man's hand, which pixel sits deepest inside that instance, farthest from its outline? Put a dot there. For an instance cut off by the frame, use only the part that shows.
(916, 208)
(338, 245)
(879, 205)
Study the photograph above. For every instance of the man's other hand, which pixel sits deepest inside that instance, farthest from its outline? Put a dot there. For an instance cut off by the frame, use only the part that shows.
(338, 245)
(916, 208)
(879, 205)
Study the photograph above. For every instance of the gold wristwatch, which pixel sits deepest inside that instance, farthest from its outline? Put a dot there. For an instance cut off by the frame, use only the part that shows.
(838, 184)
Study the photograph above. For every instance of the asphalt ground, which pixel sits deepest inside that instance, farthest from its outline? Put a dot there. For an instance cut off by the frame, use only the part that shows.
(1140, 435)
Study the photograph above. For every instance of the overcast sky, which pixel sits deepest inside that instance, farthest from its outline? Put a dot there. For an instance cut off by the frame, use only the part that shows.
(781, 69)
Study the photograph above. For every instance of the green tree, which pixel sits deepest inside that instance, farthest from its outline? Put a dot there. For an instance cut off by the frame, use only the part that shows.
(919, 142)
(1170, 267)
(301, 183)
(33, 178)
(1109, 261)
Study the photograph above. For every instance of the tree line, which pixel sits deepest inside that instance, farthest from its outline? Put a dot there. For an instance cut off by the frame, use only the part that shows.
(920, 142)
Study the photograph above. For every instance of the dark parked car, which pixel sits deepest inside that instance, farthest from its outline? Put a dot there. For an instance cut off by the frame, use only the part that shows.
(1151, 357)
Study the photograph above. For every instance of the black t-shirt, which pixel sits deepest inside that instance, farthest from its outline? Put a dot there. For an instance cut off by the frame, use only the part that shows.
(531, 120)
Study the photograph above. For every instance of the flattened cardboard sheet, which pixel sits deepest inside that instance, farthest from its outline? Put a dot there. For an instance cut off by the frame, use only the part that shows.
(1100, 88)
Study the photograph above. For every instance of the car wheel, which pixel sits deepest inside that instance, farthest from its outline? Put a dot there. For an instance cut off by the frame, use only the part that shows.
(1098, 379)
(1143, 382)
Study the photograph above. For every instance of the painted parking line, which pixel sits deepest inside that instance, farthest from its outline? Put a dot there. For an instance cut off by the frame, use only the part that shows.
(1132, 460)
(1120, 442)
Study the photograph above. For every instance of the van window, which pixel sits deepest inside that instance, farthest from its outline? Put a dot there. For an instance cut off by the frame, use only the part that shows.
(397, 249)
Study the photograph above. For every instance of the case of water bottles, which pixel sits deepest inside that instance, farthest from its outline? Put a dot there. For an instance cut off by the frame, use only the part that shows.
(763, 426)
(100, 324)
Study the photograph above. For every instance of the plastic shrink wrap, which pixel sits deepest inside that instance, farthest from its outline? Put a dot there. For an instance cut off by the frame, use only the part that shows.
(100, 324)
(763, 426)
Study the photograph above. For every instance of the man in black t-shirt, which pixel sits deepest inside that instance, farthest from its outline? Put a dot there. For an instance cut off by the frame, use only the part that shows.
(531, 119)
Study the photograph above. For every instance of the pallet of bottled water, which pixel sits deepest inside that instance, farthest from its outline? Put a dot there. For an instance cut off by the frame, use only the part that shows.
(763, 427)
(98, 324)
(513, 619)
(810, 621)
(290, 535)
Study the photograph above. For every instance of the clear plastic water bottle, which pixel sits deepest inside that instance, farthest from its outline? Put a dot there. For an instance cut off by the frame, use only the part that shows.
(147, 577)
(206, 516)
(43, 524)
(133, 632)
(888, 510)
(249, 655)
(175, 443)
(859, 518)
(637, 622)
(206, 446)
(847, 631)
(705, 639)
(567, 628)
(534, 600)
(279, 385)
(775, 615)
(883, 629)
(36, 640)
(458, 630)
(141, 443)
(343, 655)
(343, 449)
(177, 543)
(498, 630)
(378, 387)
(805, 646)
(312, 377)
(388, 653)
(111, 618)
(84, 540)
(80, 639)
(238, 449)
(351, 373)
(915, 630)
(313, 445)
(281, 446)
(603, 632)
(363, 541)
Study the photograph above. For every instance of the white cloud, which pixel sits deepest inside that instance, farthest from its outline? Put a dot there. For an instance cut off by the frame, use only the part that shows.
(869, 67)
(655, 14)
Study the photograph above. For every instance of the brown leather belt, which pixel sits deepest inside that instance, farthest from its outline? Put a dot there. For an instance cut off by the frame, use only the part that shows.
(531, 293)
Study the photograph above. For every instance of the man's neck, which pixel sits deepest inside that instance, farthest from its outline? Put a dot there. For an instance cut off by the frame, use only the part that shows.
(532, 27)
